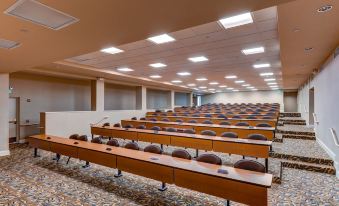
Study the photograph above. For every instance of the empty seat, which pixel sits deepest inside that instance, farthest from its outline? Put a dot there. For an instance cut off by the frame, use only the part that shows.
(263, 125)
(250, 165)
(209, 158)
(236, 117)
(142, 118)
(207, 122)
(113, 142)
(165, 120)
(153, 119)
(133, 118)
(74, 136)
(242, 124)
(195, 115)
(128, 126)
(117, 125)
(192, 121)
(270, 114)
(229, 112)
(225, 123)
(171, 129)
(208, 132)
(153, 149)
(181, 153)
(242, 112)
(141, 127)
(97, 140)
(132, 145)
(189, 131)
(156, 128)
(208, 115)
(251, 117)
(257, 137)
(174, 114)
(229, 134)
(106, 124)
(178, 120)
(222, 116)
(83, 138)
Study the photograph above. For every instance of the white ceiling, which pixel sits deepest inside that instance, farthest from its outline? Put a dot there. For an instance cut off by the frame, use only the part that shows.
(222, 48)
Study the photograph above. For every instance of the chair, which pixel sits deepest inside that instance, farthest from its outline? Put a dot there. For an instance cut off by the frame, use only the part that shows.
(157, 110)
(181, 153)
(153, 119)
(113, 142)
(178, 120)
(207, 122)
(208, 132)
(165, 120)
(153, 149)
(244, 124)
(169, 111)
(117, 125)
(209, 158)
(97, 140)
(163, 114)
(225, 123)
(236, 117)
(251, 117)
(192, 121)
(229, 134)
(263, 125)
(74, 136)
(189, 131)
(58, 156)
(133, 118)
(142, 118)
(171, 129)
(106, 124)
(242, 112)
(222, 116)
(208, 115)
(156, 128)
(132, 145)
(83, 138)
(250, 165)
(195, 115)
(257, 137)
(128, 126)
(141, 127)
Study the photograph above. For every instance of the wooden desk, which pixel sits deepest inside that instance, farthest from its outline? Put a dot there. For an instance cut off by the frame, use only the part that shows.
(238, 185)
(242, 132)
(214, 115)
(251, 122)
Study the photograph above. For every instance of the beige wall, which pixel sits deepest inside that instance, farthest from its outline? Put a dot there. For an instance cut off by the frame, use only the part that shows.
(119, 97)
(158, 99)
(290, 101)
(4, 108)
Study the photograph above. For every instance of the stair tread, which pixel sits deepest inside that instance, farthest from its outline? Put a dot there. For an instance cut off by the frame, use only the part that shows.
(309, 164)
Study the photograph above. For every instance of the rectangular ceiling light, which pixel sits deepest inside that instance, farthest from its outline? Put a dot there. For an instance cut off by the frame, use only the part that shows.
(155, 76)
(272, 83)
(231, 77)
(158, 65)
(176, 81)
(198, 59)
(7, 44)
(160, 39)
(201, 79)
(269, 80)
(183, 73)
(125, 69)
(266, 74)
(237, 20)
(239, 81)
(258, 66)
(38, 13)
(256, 50)
(111, 50)
(222, 86)
(191, 85)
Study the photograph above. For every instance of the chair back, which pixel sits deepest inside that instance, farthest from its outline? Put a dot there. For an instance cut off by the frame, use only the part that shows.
(263, 125)
(207, 122)
(113, 142)
(153, 149)
(257, 137)
(132, 145)
(117, 125)
(225, 123)
(74, 136)
(171, 129)
(250, 165)
(165, 120)
(83, 138)
(181, 153)
(189, 131)
(156, 128)
(106, 124)
(208, 132)
(245, 124)
(97, 140)
(209, 158)
(141, 127)
(133, 118)
(192, 121)
(128, 126)
(229, 134)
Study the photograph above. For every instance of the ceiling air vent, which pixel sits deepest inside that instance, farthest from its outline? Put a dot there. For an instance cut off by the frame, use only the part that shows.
(38, 13)
(7, 44)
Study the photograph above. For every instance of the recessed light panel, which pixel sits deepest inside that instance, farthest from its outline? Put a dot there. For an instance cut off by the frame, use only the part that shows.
(201, 79)
(7, 44)
(256, 50)
(266, 74)
(160, 39)
(213, 83)
(198, 59)
(222, 86)
(269, 80)
(272, 83)
(155, 76)
(176, 81)
(237, 20)
(246, 85)
(40, 14)
(191, 85)
(258, 66)
(183, 73)
(202, 87)
(231, 77)
(239, 81)
(111, 50)
(125, 69)
(158, 65)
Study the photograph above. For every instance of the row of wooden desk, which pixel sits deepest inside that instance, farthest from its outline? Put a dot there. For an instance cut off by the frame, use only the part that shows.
(222, 181)
(251, 122)
(242, 132)
(211, 114)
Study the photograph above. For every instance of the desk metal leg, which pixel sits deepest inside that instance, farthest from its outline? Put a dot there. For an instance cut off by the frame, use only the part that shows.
(266, 164)
(57, 157)
(163, 187)
(196, 153)
(119, 174)
(68, 160)
(86, 165)
(228, 203)
(92, 136)
(36, 153)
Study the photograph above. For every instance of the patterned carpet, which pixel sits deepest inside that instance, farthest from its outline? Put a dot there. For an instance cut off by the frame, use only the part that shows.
(25, 180)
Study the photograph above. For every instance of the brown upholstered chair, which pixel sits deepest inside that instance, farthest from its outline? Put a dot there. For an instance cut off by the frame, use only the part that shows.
(156, 128)
(189, 131)
(263, 125)
(153, 149)
(250, 165)
(208, 132)
(113, 142)
(257, 137)
(83, 138)
(133, 118)
(74, 136)
(171, 129)
(207, 122)
(225, 123)
(141, 126)
(209, 158)
(142, 118)
(106, 124)
(181, 153)
(245, 124)
(132, 145)
(192, 121)
(97, 140)
(229, 134)
(128, 126)
(117, 125)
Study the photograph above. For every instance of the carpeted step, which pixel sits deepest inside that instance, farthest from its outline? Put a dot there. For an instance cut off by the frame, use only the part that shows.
(304, 137)
(309, 167)
(290, 114)
(295, 158)
(295, 132)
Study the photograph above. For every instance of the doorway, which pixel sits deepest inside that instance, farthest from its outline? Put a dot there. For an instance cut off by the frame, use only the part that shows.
(311, 106)
(14, 119)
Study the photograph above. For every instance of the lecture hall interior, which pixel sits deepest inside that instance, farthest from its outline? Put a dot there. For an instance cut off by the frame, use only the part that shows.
(169, 102)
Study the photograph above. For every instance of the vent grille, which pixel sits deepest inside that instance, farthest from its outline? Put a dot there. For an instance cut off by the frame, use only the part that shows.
(7, 44)
(38, 13)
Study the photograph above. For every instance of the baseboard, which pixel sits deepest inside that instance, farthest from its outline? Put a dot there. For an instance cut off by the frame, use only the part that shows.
(331, 154)
(21, 141)
(4, 153)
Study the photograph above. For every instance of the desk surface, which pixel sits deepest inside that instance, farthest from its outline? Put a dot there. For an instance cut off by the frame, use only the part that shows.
(249, 177)
(214, 118)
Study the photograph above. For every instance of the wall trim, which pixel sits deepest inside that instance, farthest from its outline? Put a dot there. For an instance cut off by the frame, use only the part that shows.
(4, 153)
(331, 154)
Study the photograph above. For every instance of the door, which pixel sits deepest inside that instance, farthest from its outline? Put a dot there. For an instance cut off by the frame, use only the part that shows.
(14, 127)
(311, 106)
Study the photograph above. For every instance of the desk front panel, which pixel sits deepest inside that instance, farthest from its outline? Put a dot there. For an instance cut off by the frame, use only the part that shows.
(154, 138)
(41, 144)
(194, 143)
(124, 134)
(63, 149)
(97, 157)
(261, 151)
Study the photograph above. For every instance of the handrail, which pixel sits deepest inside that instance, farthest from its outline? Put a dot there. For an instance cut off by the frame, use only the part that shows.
(315, 118)
(305, 109)
(335, 138)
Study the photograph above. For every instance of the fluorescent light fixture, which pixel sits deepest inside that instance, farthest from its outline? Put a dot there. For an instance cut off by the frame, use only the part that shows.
(254, 89)
(201, 79)
(273, 86)
(230, 88)
(191, 85)
(211, 89)
(269, 80)
(125, 69)
(235, 90)
(272, 83)
(155, 76)
(213, 83)
(266, 74)
(231, 77)
(250, 87)
(198, 59)
(111, 50)
(239, 81)
(160, 39)
(41, 14)
(258, 66)
(237, 20)
(176, 81)
(246, 85)
(8, 44)
(158, 65)
(256, 50)
(183, 73)
(222, 86)
(202, 87)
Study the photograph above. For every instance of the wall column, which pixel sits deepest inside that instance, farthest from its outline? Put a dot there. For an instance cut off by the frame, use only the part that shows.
(190, 103)
(98, 95)
(4, 111)
(172, 99)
